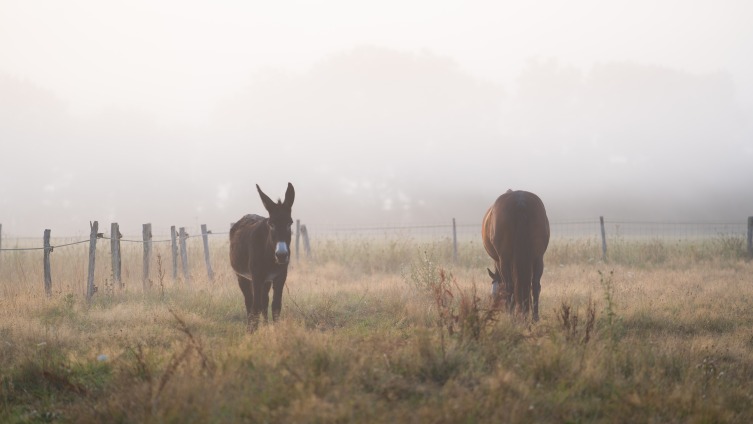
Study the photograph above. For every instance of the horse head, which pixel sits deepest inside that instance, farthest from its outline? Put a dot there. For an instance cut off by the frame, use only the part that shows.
(496, 279)
(280, 223)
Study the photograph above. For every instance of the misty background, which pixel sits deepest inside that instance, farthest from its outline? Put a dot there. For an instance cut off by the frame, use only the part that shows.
(391, 113)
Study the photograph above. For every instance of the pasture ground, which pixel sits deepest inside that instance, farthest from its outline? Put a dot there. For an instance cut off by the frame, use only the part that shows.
(385, 331)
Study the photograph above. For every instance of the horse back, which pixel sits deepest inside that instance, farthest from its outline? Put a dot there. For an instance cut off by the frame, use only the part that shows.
(515, 215)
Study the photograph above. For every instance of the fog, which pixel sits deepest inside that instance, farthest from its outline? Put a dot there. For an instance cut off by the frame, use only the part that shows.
(395, 113)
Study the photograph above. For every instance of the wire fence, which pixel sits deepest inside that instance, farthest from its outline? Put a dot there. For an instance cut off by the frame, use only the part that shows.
(608, 231)
(575, 229)
(462, 232)
(26, 243)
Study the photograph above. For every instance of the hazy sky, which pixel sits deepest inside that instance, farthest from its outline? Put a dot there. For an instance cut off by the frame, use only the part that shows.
(379, 112)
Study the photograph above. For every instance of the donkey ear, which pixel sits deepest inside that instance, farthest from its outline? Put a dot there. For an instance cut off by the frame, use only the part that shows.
(491, 274)
(289, 197)
(268, 203)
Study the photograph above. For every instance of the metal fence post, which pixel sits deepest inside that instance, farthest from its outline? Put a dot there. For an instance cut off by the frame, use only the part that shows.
(47, 272)
(174, 239)
(90, 288)
(306, 243)
(184, 253)
(750, 237)
(205, 237)
(115, 237)
(603, 240)
(146, 233)
(454, 241)
(297, 237)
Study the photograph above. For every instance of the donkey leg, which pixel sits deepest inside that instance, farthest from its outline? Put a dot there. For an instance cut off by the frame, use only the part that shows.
(253, 317)
(264, 300)
(248, 297)
(277, 299)
(538, 271)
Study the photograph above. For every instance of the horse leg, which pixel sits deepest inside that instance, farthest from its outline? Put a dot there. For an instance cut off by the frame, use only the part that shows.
(507, 283)
(523, 287)
(525, 299)
(500, 293)
(538, 271)
(277, 298)
(248, 297)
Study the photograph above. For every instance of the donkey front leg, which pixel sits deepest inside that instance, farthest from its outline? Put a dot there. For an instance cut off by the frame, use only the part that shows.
(277, 299)
(248, 297)
(263, 304)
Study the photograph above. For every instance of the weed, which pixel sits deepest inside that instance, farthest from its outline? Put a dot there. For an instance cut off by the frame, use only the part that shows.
(161, 277)
(462, 313)
(145, 367)
(69, 302)
(612, 320)
(194, 342)
(575, 331)
(423, 274)
(729, 246)
(109, 287)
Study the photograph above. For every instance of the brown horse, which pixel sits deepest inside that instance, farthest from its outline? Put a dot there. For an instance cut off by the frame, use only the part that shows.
(515, 231)
(259, 255)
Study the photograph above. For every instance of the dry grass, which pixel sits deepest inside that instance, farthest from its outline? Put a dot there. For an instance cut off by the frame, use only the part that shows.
(383, 332)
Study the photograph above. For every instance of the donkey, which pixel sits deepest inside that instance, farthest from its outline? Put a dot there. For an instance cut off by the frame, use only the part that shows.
(515, 231)
(259, 255)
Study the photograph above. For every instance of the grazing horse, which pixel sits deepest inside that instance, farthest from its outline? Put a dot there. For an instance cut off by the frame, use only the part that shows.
(259, 255)
(515, 231)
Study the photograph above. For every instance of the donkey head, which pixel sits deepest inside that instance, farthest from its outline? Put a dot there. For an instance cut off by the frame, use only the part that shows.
(280, 223)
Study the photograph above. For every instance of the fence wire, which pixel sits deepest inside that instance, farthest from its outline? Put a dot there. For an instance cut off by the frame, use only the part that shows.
(101, 237)
(574, 229)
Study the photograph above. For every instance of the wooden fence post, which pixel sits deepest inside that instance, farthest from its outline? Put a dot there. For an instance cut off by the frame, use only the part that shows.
(173, 237)
(306, 244)
(603, 240)
(205, 237)
(115, 237)
(750, 237)
(184, 253)
(47, 272)
(146, 232)
(90, 289)
(454, 241)
(297, 236)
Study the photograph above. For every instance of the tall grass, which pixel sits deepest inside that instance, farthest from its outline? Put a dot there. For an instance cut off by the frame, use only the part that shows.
(384, 331)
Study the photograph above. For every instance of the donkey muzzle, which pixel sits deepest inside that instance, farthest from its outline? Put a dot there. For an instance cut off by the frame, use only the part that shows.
(282, 254)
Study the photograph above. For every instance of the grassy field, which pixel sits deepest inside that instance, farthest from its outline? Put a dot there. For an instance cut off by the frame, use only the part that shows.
(384, 331)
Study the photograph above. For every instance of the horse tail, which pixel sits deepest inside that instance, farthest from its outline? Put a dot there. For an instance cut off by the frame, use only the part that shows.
(522, 263)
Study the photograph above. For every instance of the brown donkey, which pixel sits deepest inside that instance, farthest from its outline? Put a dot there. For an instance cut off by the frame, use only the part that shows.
(259, 255)
(515, 231)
